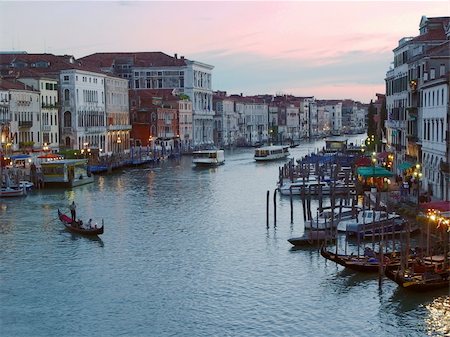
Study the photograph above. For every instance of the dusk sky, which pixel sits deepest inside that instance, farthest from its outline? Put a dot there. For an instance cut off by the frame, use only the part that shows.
(323, 49)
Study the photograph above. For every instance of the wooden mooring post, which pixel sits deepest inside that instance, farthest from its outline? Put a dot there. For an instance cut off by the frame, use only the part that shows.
(267, 210)
(275, 208)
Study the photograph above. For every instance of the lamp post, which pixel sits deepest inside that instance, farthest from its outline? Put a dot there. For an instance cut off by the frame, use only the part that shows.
(418, 177)
(374, 160)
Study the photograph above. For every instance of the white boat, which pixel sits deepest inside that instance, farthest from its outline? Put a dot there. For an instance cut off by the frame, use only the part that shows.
(6, 192)
(309, 186)
(28, 185)
(271, 152)
(365, 218)
(323, 220)
(208, 157)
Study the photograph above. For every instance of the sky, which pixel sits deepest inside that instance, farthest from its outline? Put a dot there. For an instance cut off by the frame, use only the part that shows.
(326, 49)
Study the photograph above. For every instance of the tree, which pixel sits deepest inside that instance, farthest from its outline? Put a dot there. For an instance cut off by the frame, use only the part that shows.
(371, 124)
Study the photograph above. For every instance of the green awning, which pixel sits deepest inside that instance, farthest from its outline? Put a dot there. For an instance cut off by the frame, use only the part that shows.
(373, 171)
(404, 166)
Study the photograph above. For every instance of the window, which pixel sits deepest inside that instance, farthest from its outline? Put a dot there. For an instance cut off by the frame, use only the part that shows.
(66, 78)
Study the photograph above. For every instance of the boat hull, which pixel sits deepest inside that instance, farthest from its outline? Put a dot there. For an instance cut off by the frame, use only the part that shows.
(419, 284)
(75, 228)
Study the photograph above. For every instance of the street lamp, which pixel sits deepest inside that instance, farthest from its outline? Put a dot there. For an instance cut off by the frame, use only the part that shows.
(374, 160)
(418, 177)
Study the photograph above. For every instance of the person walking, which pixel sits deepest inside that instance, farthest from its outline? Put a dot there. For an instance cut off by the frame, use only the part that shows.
(73, 209)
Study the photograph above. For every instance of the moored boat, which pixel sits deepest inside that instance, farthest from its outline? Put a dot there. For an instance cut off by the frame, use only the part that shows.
(369, 262)
(311, 238)
(78, 226)
(208, 157)
(324, 219)
(7, 192)
(420, 282)
(271, 152)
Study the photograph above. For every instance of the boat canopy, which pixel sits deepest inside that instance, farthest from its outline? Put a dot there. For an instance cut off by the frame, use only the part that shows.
(373, 171)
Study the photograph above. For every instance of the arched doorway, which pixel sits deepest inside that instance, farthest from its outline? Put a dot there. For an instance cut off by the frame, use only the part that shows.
(67, 142)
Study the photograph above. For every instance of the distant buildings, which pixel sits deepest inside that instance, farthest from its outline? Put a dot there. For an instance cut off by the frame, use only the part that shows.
(104, 104)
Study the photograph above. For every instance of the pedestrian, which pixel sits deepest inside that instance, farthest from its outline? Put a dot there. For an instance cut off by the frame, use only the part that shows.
(73, 208)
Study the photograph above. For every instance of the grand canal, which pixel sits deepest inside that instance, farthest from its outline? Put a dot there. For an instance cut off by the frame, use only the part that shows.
(186, 252)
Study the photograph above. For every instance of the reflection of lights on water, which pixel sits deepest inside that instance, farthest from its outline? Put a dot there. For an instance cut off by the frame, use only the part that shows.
(438, 318)
(3, 207)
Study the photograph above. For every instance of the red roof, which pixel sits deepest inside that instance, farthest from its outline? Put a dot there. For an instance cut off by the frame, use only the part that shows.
(138, 59)
(13, 84)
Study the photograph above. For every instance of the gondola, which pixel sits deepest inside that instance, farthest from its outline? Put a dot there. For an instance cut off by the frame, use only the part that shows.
(363, 263)
(422, 282)
(77, 227)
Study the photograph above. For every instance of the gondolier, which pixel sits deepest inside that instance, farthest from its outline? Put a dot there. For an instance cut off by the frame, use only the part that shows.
(73, 208)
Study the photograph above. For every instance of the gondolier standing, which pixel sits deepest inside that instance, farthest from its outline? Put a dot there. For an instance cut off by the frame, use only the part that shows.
(73, 208)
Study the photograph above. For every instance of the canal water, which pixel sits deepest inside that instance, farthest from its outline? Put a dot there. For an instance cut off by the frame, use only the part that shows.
(186, 252)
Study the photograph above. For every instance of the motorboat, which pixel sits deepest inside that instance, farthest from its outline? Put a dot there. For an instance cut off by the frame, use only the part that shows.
(271, 152)
(367, 220)
(208, 157)
(6, 192)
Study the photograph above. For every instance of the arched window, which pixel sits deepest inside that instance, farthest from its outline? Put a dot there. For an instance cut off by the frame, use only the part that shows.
(67, 119)
(66, 94)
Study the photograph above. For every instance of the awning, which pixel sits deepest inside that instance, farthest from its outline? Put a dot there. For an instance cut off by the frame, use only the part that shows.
(373, 171)
(20, 156)
(404, 166)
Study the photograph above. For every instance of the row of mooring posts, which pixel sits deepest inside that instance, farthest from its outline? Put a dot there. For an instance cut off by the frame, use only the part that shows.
(347, 195)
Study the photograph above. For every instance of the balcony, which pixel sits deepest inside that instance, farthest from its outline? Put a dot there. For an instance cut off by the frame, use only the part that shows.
(395, 124)
(116, 127)
(25, 124)
(46, 128)
(67, 130)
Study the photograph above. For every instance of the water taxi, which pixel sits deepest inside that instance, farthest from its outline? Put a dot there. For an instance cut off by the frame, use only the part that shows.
(208, 157)
(271, 152)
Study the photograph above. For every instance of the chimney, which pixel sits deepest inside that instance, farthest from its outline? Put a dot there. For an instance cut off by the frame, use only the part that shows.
(182, 57)
(176, 56)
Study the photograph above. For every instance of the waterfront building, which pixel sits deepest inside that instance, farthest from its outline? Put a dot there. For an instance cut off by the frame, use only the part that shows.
(293, 122)
(434, 123)
(225, 120)
(309, 118)
(49, 125)
(404, 94)
(117, 111)
(5, 122)
(83, 114)
(24, 112)
(185, 122)
(156, 70)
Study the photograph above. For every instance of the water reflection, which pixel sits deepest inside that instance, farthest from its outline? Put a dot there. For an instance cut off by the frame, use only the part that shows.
(438, 316)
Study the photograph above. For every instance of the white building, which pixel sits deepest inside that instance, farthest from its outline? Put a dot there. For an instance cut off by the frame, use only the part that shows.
(49, 126)
(293, 122)
(117, 116)
(25, 113)
(83, 111)
(185, 123)
(198, 86)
